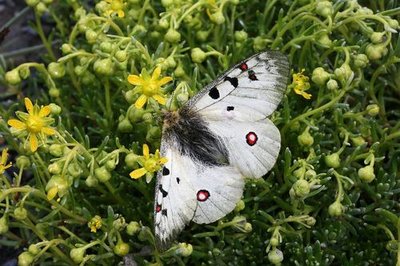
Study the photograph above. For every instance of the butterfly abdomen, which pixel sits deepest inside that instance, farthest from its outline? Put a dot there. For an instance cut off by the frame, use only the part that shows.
(194, 139)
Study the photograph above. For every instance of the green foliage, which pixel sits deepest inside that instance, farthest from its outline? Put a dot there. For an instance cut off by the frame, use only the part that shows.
(330, 199)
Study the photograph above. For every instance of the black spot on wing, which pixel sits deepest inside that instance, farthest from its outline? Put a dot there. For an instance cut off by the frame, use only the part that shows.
(178, 180)
(230, 108)
(165, 171)
(214, 93)
(164, 212)
(233, 81)
(164, 193)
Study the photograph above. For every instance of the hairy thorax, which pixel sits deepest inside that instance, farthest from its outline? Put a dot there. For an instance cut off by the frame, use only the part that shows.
(192, 137)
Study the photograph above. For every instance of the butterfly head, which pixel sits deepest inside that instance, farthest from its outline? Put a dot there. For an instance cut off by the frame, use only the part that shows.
(170, 118)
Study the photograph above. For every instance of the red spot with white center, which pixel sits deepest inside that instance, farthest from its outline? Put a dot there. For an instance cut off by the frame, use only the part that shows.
(243, 66)
(251, 138)
(203, 195)
(158, 208)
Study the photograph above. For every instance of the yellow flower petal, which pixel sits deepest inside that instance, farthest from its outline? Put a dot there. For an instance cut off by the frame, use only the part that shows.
(156, 73)
(163, 160)
(138, 173)
(28, 105)
(48, 131)
(121, 14)
(164, 80)
(44, 111)
(160, 99)
(140, 101)
(16, 124)
(146, 151)
(135, 80)
(52, 193)
(4, 156)
(33, 142)
(306, 95)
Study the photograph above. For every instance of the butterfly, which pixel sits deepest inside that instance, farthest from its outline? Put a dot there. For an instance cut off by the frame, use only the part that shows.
(219, 137)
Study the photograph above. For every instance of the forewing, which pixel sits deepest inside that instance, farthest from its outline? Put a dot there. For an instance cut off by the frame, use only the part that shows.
(249, 91)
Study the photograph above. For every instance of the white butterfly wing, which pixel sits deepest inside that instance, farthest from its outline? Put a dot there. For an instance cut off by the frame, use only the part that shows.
(189, 190)
(253, 146)
(250, 91)
(218, 137)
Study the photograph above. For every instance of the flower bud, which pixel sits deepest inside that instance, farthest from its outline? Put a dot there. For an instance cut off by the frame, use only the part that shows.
(240, 205)
(373, 109)
(33, 249)
(358, 141)
(172, 36)
(131, 160)
(332, 85)
(91, 181)
(366, 173)
(22, 161)
(275, 256)
(332, 160)
(274, 241)
(121, 248)
(167, 3)
(125, 126)
(91, 36)
(77, 254)
(57, 150)
(25, 259)
(24, 72)
(57, 185)
(361, 60)
(336, 209)
(54, 168)
(375, 51)
(56, 70)
(106, 47)
(310, 174)
(310, 221)
(377, 37)
(3, 225)
(184, 250)
(66, 48)
(20, 213)
(163, 23)
(179, 72)
(110, 164)
(241, 36)
(135, 115)
(74, 170)
(343, 73)
(324, 40)
(55, 109)
(54, 92)
(102, 174)
(104, 67)
(198, 55)
(259, 43)
(305, 139)
(217, 17)
(202, 35)
(41, 8)
(133, 228)
(121, 55)
(32, 3)
(320, 76)
(324, 8)
(12, 77)
(301, 188)
(393, 23)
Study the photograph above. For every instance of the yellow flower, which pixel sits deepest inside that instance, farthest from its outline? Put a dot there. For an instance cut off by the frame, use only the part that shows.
(301, 84)
(116, 6)
(33, 124)
(151, 163)
(3, 162)
(95, 223)
(149, 87)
